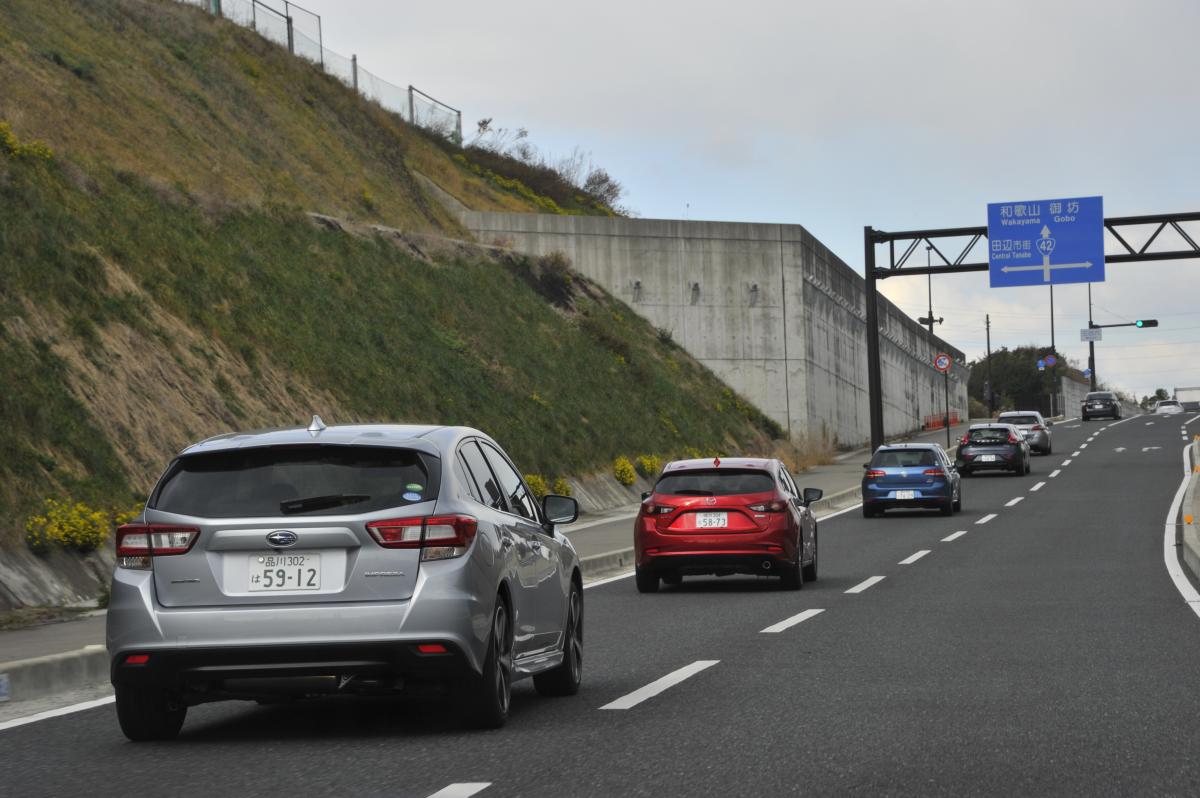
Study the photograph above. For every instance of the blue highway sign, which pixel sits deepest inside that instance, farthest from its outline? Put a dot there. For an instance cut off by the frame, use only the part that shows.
(1044, 242)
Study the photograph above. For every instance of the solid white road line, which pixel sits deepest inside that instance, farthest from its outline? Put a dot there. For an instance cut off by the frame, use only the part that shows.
(788, 623)
(914, 558)
(1055, 473)
(986, 518)
(866, 583)
(1067, 462)
(1170, 555)
(54, 713)
(462, 790)
(657, 686)
(1072, 418)
(1014, 502)
(955, 536)
(1037, 487)
(839, 512)
(1190, 420)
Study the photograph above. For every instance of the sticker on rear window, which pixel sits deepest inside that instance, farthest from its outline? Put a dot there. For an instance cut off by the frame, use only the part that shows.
(412, 497)
(414, 486)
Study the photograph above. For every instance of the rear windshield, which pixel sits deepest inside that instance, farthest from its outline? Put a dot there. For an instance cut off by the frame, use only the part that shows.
(713, 482)
(995, 435)
(296, 480)
(903, 458)
(1100, 395)
(1168, 403)
(1019, 419)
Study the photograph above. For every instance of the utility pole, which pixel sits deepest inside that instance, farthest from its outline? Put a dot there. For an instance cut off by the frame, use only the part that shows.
(1054, 368)
(1091, 344)
(929, 278)
(991, 389)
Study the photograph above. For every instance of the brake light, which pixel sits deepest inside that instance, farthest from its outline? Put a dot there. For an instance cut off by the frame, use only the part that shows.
(1013, 438)
(657, 509)
(137, 659)
(137, 544)
(439, 537)
(1038, 428)
(431, 648)
(876, 473)
(932, 472)
(769, 507)
(965, 440)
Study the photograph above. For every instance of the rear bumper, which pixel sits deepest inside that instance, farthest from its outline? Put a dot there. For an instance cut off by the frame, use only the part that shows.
(264, 670)
(703, 552)
(714, 562)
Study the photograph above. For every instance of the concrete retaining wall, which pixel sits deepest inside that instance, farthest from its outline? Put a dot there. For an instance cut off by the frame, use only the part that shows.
(767, 307)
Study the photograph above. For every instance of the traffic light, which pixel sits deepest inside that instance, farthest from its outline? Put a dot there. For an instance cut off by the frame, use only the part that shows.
(1146, 323)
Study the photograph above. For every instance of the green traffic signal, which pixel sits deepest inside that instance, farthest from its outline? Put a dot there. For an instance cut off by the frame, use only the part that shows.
(1146, 323)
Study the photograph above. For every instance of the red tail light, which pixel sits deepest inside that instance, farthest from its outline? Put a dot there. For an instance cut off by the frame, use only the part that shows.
(439, 537)
(657, 509)
(875, 473)
(769, 507)
(1013, 438)
(932, 472)
(138, 543)
(137, 659)
(965, 440)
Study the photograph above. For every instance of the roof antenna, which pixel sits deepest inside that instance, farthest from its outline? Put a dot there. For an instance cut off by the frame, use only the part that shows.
(316, 426)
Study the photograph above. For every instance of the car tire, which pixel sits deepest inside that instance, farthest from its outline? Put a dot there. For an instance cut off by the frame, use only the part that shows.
(948, 507)
(566, 678)
(792, 575)
(810, 570)
(485, 698)
(672, 579)
(958, 501)
(869, 512)
(647, 581)
(147, 714)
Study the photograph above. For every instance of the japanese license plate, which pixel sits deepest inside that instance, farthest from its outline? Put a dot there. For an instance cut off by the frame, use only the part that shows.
(906, 494)
(283, 572)
(987, 458)
(711, 520)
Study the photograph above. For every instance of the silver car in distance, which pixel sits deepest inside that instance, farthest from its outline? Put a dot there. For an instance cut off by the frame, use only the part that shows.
(369, 559)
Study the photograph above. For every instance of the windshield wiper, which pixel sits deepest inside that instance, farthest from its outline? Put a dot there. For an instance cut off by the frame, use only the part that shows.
(320, 502)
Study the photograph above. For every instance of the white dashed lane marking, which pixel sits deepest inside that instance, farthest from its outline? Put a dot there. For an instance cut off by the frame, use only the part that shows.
(1055, 473)
(1073, 454)
(788, 623)
(659, 685)
(914, 558)
(1037, 487)
(866, 583)
(986, 518)
(462, 790)
(1067, 462)
(1014, 502)
(955, 536)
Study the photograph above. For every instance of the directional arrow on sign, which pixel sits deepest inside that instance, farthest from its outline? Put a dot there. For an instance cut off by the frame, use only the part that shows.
(1046, 246)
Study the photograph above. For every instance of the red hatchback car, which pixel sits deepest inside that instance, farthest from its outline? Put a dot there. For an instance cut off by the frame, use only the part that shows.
(724, 516)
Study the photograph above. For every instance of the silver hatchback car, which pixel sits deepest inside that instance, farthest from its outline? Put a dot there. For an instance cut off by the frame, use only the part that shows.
(370, 559)
(1033, 426)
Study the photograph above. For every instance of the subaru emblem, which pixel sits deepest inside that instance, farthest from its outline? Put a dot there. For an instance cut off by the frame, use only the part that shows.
(282, 537)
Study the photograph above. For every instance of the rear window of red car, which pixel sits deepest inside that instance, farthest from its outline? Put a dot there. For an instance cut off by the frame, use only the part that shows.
(715, 482)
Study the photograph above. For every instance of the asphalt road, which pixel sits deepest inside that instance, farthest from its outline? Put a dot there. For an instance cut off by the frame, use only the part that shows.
(1042, 651)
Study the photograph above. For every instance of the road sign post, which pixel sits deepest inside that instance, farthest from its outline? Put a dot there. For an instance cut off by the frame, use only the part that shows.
(1046, 242)
(942, 363)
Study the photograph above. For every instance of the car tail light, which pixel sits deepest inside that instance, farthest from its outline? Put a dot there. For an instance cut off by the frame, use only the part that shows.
(1037, 428)
(875, 473)
(1013, 438)
(137, 659)
(769, 507)
(966, 439)
(432, 648)
(658, 509)
(439, 537)
(932, 472)
(138, 544)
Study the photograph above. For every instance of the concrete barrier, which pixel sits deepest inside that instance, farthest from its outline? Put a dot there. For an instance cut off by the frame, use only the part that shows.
(42, 676)
(1190, 533)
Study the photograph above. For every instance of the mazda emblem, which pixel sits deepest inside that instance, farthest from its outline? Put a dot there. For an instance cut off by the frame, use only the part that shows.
(710, 500)
(282, 537)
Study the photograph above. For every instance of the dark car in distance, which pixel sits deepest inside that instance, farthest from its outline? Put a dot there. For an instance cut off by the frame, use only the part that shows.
(1100, 404)
(910, 475)
(993, 447)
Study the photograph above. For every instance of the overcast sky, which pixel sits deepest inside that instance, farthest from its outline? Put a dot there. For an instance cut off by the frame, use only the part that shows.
(836, 115)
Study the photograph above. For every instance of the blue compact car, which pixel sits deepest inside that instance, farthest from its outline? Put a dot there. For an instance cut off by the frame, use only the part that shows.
(910, 475)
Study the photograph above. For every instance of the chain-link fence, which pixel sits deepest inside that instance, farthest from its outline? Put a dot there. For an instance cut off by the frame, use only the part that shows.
(299, 30)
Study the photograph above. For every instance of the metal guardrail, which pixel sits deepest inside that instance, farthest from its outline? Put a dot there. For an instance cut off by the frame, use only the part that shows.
(299, 30)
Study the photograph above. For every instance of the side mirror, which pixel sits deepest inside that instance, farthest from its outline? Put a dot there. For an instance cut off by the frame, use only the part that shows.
(811, 495)
(1049, 424)
(866, 466)
(560, 509)
(646, 495)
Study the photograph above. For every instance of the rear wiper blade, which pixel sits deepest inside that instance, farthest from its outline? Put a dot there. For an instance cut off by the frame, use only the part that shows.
(320, 502)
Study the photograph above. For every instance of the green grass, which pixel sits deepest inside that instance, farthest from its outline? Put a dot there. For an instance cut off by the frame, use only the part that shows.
(390, 336)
